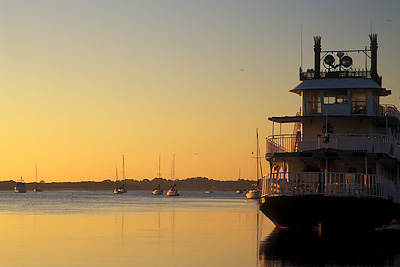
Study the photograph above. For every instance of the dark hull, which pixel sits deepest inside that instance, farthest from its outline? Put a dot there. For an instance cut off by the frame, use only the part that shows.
(329, 211)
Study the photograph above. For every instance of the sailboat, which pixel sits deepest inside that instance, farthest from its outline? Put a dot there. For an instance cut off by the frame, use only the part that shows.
(239, 191)
(158, 190)
(121, 189)
(37, 188)
(172, 191)
(117, 190)
(255, 192)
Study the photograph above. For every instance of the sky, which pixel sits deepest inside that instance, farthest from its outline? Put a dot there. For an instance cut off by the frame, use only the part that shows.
(83, 82)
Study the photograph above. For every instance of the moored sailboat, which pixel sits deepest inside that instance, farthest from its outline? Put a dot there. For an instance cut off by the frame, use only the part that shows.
(37, 188)
(158, 190)
(172, 191)
(121, 189)
(117, 189)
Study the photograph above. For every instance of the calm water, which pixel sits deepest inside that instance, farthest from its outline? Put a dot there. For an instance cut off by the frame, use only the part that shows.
(98, 228)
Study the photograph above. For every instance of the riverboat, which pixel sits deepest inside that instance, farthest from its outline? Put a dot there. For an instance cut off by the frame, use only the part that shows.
(340, 166)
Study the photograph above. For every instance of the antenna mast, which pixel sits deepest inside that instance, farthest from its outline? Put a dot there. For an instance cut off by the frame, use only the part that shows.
(258, 153)
(159, 166)
(123, 167)
(173, 168)
(301, 46)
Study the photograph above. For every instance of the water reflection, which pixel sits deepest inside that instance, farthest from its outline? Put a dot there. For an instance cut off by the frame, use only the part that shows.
(99, 229)
(284, 247)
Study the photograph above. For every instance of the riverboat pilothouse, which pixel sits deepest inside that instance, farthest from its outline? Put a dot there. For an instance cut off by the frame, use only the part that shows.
(341, 165)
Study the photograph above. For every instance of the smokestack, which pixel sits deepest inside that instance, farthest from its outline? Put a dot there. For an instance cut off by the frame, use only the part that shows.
(374, 56)
(317, 51)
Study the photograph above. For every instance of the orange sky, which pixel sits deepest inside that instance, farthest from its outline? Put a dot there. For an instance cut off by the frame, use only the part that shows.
(83, 82)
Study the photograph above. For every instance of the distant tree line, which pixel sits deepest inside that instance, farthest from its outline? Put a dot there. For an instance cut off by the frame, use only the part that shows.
(195, 183)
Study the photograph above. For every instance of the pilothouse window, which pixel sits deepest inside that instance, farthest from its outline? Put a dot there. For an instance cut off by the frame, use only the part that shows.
(358, 102)
(335, 97)
(313, 102)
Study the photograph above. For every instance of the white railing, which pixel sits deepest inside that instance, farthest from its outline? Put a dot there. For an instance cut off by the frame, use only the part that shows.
(350, 142)
(329, 184)
(389, 111)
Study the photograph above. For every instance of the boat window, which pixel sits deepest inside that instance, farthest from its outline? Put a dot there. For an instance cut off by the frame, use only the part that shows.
(313, 102)
(358, 102)
(335, 97)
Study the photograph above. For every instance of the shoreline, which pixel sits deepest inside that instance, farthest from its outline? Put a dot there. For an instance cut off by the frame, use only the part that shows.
(198, 183)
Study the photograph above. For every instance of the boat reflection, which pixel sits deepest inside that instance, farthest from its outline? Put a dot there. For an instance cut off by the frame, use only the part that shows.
(284, 247)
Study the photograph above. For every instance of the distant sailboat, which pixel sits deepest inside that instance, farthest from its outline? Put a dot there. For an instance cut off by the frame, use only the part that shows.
(255, 192)
(117, 189)
(239, 191)
(172, 191)
(123, 175)
(37, 188)
(120, 189)
(158, 190)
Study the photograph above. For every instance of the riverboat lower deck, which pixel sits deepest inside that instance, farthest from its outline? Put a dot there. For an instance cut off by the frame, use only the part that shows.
(329, 211)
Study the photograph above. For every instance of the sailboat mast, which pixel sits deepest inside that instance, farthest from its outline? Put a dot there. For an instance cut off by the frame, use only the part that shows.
(123, 168)
(36, 171)
(159, 166)
(258, 154)
(173, 168)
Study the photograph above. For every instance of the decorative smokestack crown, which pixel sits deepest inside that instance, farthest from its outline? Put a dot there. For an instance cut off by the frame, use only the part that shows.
(317, 42)
(343, 63)
(374, 57)
(374, 39)
(317, 56)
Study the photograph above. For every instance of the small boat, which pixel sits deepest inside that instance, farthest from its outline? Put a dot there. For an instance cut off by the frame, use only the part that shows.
(172, 191)
(119, 190)
(157, 190)
(37, 188)
(255, 192)
(20, 186)
(209, 192)
(239, 191)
